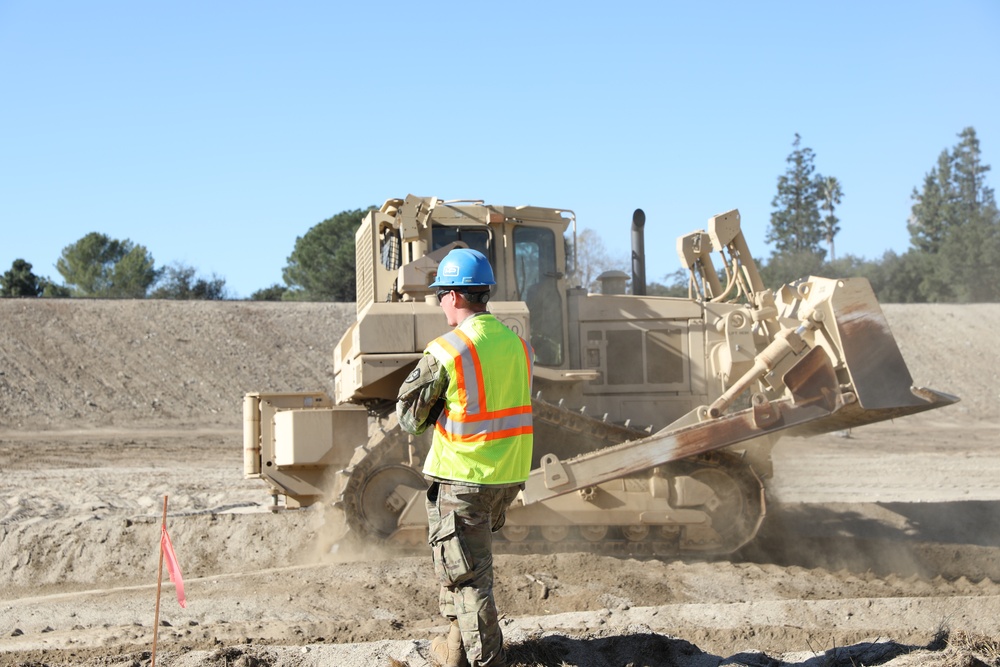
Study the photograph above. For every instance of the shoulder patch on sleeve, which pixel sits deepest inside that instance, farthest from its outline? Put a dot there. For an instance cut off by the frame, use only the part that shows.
(412, 377)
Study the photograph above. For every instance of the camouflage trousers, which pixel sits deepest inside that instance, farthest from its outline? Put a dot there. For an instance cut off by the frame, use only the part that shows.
(462, 519)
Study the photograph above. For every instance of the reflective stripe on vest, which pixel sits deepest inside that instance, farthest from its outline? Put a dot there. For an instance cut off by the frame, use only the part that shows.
(473, 442)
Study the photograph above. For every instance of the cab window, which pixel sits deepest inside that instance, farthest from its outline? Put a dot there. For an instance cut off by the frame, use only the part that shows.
(537, 284)
(477, 239)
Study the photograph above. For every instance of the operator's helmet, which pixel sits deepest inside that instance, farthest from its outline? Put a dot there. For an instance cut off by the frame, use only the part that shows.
(464, 267)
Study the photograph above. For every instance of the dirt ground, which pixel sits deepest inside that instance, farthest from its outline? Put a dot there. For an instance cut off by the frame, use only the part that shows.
(881, 548)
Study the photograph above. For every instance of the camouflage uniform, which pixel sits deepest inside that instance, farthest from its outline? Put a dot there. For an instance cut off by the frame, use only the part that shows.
(418, 403)
(462, 518)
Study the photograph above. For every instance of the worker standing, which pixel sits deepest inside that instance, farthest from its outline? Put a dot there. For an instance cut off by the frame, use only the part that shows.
(473, 386)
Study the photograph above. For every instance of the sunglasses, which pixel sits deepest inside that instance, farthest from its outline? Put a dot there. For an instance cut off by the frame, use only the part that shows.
(473, 297)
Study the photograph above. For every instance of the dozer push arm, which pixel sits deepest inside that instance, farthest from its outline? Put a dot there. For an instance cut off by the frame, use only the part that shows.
(814, 396)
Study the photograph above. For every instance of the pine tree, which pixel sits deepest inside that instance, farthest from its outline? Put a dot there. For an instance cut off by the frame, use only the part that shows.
(321, 266)
(955, 224)
(970, 177)
(933, 211)
(99, 266)
(20, 281)
(796, 226)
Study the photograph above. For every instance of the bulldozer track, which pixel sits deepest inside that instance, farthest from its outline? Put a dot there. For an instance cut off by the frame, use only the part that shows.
(390, 458)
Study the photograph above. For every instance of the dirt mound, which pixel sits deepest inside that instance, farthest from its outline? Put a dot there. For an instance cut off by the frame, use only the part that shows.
(952, 348)
(79, 363)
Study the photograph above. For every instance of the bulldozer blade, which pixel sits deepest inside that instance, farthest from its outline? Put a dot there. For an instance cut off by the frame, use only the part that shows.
(853, 414)
(881, 384)
(876, 367)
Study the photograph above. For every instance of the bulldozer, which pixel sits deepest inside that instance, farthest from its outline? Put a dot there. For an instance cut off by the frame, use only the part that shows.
(654, 417)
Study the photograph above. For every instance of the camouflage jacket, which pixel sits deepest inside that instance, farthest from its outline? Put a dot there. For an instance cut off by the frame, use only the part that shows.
(421, 396)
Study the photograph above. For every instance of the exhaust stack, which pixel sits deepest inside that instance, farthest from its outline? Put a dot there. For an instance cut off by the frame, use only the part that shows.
(638, 253)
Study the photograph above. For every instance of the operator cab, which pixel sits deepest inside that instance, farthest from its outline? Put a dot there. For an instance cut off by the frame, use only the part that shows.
(535, 279)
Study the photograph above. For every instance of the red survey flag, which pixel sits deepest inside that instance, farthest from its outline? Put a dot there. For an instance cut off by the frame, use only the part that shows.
(173, 569)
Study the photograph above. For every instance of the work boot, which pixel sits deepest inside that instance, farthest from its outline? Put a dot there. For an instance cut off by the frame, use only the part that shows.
(448, 651)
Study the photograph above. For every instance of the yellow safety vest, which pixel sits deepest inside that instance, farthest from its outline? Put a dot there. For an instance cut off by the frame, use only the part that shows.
(484, 433)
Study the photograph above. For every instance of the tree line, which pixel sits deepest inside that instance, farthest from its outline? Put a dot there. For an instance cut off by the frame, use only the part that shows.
(954, 228)
(320, 268)
(99, 266)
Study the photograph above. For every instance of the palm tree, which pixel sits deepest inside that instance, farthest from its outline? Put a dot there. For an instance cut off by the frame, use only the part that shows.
(832, 193)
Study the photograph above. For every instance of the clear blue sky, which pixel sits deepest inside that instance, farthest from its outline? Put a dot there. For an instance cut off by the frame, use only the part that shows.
(215, 133)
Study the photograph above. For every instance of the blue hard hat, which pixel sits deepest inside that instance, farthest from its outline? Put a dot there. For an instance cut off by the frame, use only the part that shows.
(464, 267)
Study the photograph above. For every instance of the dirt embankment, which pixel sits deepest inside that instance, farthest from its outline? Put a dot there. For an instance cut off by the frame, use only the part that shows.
(71, 364)
(106, 406)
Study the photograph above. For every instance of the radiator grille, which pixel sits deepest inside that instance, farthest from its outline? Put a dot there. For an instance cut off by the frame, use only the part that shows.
(364, 261)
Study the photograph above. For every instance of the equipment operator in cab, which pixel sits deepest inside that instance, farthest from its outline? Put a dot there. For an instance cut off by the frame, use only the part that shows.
(473, 387)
